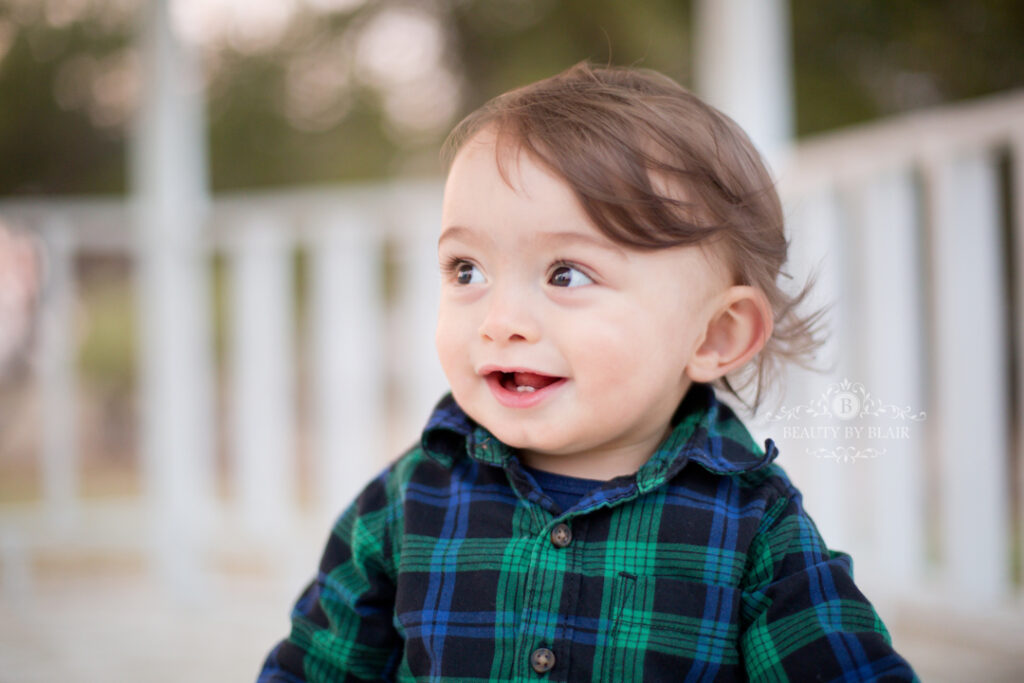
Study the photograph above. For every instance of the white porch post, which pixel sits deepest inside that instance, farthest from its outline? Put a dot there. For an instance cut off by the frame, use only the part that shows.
(169, 182)
(743, 68)
(262, 376)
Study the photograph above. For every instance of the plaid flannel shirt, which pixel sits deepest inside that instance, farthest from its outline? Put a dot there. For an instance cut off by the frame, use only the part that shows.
(454, 565)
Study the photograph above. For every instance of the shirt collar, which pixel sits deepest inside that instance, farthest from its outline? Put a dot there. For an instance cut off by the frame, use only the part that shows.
(706, 431)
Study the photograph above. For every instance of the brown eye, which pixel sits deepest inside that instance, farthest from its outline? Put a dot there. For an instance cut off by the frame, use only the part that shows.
(467, 274)
(567, 276)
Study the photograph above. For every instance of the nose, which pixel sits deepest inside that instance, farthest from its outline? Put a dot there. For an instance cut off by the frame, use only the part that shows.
(508, 317)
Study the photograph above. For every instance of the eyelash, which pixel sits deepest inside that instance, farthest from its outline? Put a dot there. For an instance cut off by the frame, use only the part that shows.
(561, 263)
(451, 264)
(450, 267)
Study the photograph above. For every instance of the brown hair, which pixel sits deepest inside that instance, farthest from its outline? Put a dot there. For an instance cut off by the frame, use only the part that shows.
(613, 134)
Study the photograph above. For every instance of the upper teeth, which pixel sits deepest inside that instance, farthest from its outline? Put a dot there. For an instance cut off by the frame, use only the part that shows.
(525, 387)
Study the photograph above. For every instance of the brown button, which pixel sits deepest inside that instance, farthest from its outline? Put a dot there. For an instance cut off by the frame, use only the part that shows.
(561, 535)
(542, 660)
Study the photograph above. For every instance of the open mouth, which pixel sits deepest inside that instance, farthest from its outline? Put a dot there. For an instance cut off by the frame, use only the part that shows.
(522, 388)
(524, 382)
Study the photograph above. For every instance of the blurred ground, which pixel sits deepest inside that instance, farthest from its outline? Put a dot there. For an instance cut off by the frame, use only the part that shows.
(110, 622)
(948, 646)
(119, 627)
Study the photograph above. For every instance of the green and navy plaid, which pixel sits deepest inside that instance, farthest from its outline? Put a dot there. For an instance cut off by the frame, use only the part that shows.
(454, 565)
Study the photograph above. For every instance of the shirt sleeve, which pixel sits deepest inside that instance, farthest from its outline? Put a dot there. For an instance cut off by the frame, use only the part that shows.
(342, 628)
(804, 618)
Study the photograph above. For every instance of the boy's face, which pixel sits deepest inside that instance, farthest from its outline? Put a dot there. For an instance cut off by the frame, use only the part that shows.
(559, 341)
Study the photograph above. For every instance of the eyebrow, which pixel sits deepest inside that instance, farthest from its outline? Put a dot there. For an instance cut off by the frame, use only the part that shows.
(558, 238)
(455, 232)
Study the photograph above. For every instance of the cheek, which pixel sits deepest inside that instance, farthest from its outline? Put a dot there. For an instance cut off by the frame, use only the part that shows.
(452, 339)
(632, 348)
(446, 336)
(613, 348)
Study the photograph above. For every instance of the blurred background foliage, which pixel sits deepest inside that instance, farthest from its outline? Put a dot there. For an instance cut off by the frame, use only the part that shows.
(322, 91)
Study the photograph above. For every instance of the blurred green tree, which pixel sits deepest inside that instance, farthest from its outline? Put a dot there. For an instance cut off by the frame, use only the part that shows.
(334, 90)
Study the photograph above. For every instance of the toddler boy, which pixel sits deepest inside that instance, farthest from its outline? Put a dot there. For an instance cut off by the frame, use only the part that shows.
(581, 507)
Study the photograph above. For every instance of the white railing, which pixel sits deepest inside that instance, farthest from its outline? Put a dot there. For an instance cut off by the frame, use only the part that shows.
(368, 365)
(904, 218)
(918, 228)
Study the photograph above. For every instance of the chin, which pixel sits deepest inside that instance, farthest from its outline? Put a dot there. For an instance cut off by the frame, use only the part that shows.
(512, 437)
(514, 431)
(527, 439)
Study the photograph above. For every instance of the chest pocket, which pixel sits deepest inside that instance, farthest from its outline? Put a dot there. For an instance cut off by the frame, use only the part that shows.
(668, 625)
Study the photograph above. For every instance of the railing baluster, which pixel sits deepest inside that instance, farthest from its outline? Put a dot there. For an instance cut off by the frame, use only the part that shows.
(969, 373)
(263, 395)
(1016, 206)
(346, 369)
(815, 228)
(891, 347)
(57, 377)
(415, 312)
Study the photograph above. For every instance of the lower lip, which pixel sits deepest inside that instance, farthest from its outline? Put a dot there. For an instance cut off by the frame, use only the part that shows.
(520, 399)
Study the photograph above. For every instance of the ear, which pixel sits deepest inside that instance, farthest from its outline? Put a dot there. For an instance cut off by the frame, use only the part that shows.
(739, 327)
